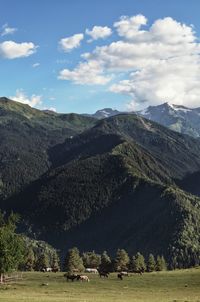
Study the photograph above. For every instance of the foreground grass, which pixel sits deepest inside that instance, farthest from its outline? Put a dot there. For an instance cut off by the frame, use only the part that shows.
(177, 286)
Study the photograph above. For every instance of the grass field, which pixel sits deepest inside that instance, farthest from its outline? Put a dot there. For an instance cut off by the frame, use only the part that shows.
(176, 286)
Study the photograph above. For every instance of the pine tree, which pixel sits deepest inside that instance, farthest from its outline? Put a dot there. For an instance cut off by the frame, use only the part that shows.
(12, 248)
(161, 263)
(105, 262)
(42, 262)
(134, 265)
(55, 263)
(158, 264)
(151, 265)
(138, 263)
(122, 260)
(73, 261)
(91, 259)
(30, 260)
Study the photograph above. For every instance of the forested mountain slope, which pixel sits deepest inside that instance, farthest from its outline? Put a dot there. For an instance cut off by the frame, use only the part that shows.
(116, 182)
(26, 134)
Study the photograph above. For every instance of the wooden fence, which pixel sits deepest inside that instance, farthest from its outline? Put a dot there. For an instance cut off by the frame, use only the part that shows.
(12, 278)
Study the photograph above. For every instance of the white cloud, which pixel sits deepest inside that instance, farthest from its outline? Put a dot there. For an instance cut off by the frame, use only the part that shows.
(85, 73)
(166, 67)
(98, 32)
(6, 30)
(36, 65)
(130, 27)
(13, 50)
(21, 97)
(159, 63)
(69, 43)
(173, 80)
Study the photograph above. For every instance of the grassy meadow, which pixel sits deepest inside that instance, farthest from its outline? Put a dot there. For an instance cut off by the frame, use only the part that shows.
(175, 286)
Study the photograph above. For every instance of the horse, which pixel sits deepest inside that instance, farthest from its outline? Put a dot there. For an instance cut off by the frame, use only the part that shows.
(91, 270)
(103, 274)
(71, 277)
(83, 278)
(46, 269)
(120, 276)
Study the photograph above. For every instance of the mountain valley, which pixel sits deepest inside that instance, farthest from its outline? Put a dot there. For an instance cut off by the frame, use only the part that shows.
(119, 182)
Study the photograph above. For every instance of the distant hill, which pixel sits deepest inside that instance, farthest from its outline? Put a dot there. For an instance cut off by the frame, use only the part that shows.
(178, 118)
(115, 184)
(104, 113)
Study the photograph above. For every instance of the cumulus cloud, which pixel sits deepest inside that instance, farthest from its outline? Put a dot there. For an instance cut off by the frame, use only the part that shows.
(21, 97)
(6, 30)
(69, 43)
(98, 32)
(13, 50)
(85, 73)
(160, 62)
(172, 80)
(130, 27)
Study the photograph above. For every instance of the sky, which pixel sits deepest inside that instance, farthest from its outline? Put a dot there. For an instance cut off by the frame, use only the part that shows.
(84, 55)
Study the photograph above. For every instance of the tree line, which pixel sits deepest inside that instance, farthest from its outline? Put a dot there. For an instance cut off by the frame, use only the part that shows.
(18, 252)
(74, 261)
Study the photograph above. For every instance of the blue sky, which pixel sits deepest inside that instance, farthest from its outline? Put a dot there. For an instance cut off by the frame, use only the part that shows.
(145, 58)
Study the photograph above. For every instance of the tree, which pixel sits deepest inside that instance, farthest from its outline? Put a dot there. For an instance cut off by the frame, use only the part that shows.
(42, 262)
(105, 262)
(121, 260)
(11, 245)
(151, 265)
(30, 260)
(73, 261)
(138, 263)
(161, 263)
(55, 263)
(91, 259)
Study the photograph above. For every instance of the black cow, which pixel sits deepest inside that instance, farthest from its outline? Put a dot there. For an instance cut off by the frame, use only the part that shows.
(71, 277)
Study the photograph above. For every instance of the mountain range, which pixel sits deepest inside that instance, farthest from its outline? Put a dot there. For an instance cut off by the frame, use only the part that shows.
(118, 182)
(178, 118)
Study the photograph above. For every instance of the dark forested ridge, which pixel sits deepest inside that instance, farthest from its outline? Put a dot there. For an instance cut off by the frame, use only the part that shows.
(105, 184)
(26, 134)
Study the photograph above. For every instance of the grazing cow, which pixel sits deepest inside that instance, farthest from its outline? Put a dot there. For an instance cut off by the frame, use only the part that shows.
(46, 269)
(120, 276)
(103, 274)
(83, 278)
(91, 270)
(71, 277)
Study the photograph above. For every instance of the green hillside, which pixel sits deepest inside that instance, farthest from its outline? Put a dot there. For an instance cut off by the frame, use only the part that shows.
(113, 185)
(26, 134)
